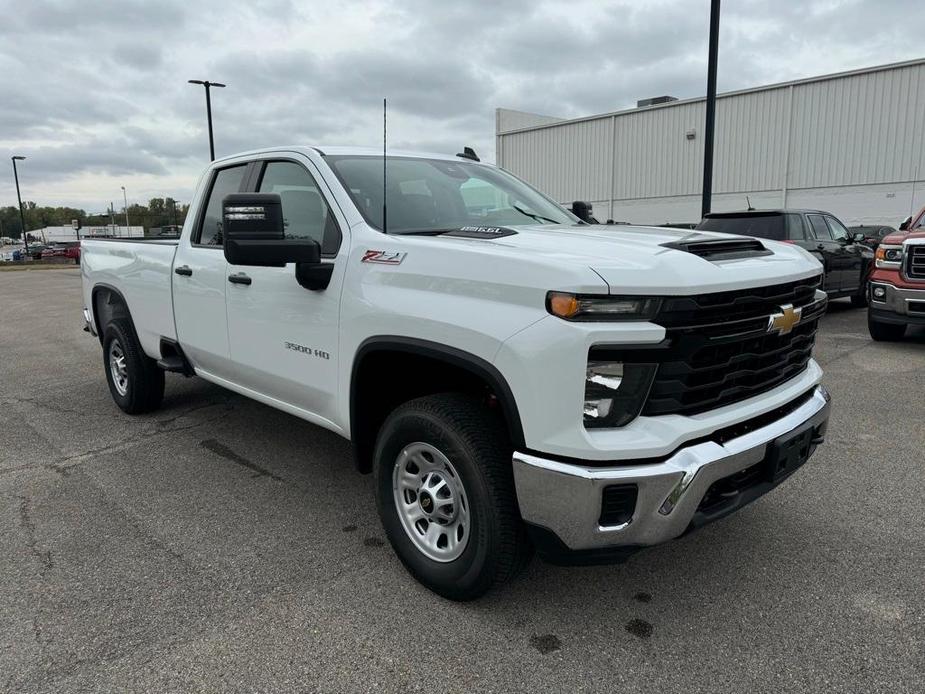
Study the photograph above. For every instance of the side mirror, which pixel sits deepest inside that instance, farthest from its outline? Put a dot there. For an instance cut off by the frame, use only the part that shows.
(583, 211)
(858, 237)
(905, 224)
(253, 235)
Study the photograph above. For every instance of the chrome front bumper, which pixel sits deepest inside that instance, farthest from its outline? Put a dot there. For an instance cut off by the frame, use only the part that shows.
(565, 498)
(897, 299)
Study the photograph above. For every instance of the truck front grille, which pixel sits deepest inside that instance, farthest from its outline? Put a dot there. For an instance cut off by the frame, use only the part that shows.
(719, 349)
(915, 263)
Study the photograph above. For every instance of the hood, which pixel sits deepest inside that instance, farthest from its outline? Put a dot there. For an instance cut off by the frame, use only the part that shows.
(902, 236)
(634, 259)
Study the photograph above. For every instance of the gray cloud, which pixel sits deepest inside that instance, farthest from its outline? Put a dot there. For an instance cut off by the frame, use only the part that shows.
(95, 92)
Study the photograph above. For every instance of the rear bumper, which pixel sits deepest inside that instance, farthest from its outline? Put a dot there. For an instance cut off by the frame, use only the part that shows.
(897, 304)
(561, 502)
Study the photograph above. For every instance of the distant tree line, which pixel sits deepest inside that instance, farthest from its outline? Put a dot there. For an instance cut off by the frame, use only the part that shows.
(159, 212)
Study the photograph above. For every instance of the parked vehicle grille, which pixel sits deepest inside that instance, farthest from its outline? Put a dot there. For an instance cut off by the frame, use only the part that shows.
(915, 263)
(718, 348)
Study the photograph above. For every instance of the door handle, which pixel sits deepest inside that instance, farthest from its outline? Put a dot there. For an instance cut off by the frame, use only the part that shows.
(184, 270)
(239, 278)
(821, 246)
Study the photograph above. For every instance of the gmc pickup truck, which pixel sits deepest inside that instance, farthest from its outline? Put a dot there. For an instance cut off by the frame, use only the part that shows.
(513, 378)
(897, 285)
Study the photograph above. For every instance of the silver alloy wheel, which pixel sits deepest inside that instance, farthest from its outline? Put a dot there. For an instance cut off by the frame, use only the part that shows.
(431, 502)
(118, 368)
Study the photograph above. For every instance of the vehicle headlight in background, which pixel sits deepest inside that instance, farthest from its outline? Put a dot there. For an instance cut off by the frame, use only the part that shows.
(615, 392)
(600, 308)
(889, 256)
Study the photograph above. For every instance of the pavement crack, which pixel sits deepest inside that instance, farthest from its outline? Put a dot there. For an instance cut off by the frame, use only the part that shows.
(28, 526)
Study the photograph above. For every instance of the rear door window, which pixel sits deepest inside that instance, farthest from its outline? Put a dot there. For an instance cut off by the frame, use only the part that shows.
(226, 181)
(795, 228)
(819, 227)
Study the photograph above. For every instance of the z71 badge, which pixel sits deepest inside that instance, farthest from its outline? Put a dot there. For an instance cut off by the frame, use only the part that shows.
(384, 257)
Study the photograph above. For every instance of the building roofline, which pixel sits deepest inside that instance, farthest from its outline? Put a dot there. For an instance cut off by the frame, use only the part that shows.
(737, 92)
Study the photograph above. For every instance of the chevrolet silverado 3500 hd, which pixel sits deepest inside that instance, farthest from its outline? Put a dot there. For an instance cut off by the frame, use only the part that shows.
(513, 377)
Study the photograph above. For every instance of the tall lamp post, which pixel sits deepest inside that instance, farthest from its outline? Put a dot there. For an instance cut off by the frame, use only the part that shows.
(22, 217)
(711, 110)
(208, 85)
(125, 200)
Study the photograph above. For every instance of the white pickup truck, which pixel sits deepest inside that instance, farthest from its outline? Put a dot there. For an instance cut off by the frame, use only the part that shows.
(513, 377)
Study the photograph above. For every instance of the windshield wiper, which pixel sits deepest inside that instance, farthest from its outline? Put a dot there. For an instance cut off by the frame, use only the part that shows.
(533, 215)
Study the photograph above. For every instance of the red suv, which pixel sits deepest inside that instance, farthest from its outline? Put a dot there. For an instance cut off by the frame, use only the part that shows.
(897, 284)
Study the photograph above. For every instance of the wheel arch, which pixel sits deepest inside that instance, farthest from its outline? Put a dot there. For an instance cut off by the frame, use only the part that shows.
(456, 367)
(108, 303)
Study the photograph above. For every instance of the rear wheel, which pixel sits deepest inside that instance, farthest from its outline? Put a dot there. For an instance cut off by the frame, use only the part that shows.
(885, 332)
(135, 380)
(445, 494)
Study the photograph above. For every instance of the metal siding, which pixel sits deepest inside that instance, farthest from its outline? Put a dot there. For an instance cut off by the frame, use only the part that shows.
(857, 129)
(568, 162)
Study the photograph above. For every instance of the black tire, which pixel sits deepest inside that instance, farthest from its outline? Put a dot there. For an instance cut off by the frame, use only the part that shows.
(473, 439)
(143, 388)
(859, 300)
(885, 332)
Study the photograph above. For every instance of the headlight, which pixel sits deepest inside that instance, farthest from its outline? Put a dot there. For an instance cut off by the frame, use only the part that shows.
(889, 256)
(615, 392)
(600, 308)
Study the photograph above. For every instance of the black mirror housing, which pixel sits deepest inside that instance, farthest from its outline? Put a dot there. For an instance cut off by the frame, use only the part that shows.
(253, 231)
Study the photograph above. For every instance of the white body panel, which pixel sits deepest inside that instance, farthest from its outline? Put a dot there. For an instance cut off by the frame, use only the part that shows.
(485, 298)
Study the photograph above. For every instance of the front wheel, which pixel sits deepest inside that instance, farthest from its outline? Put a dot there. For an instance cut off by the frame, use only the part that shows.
(885, 332)
(445, 494)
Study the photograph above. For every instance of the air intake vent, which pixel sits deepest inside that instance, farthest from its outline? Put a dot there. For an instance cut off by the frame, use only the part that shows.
(721, 249)
(618, 503)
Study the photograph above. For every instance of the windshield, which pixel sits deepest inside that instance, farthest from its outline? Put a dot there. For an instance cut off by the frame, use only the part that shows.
(763, 226)
(433, 194)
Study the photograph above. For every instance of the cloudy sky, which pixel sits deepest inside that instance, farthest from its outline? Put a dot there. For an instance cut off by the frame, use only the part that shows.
(94, 93)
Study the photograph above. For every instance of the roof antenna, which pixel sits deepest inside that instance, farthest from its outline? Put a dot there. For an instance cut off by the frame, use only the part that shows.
(385, 226)
(750, 208)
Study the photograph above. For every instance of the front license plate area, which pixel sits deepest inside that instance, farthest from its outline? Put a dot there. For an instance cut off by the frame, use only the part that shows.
(788, 452)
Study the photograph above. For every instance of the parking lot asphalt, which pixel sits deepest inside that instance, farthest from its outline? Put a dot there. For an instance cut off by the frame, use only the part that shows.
(219, 544)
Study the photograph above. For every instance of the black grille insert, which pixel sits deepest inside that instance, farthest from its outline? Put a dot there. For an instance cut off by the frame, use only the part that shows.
(719, 350)
(618, 503)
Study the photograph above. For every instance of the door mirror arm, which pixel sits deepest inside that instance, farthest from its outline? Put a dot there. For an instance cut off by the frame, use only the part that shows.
(314, 276)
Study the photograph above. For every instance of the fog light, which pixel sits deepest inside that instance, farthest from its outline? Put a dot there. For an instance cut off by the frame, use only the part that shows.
(879, 293)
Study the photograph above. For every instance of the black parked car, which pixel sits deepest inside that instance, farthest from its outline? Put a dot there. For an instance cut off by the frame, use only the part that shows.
(846, 260)
(871, 235)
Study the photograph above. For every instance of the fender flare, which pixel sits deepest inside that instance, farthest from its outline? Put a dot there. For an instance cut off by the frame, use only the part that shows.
(459, 358)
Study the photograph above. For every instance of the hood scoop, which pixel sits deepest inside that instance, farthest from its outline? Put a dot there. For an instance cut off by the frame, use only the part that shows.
(720, 249)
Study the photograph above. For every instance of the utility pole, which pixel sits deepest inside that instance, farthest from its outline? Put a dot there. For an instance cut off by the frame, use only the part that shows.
(125, 200)
(112, 219)
(711, 110)
(208, 85)
(22, 217)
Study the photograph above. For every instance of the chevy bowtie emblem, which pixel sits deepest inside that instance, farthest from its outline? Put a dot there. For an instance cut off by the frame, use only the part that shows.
(783, 322)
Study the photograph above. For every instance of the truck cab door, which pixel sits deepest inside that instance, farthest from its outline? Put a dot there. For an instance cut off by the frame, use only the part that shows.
(200, 278)
(283, 337)
(831, 251)
(851, 256)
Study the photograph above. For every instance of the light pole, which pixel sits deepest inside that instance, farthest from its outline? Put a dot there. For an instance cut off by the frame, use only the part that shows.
(22, 217)
(125, 200)
(208, 85)
(706, 201)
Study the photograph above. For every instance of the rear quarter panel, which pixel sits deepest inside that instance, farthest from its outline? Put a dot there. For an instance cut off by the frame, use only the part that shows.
(140, 272)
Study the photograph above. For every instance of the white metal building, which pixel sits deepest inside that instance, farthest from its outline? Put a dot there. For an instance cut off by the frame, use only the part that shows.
(851, 143)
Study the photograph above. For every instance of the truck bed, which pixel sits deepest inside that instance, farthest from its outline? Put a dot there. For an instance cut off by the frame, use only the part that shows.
(139, 269)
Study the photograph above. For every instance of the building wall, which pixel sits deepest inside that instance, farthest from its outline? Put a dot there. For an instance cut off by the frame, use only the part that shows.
(852, 143)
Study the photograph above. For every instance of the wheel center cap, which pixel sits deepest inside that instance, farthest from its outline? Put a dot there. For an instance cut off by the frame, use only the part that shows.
(427, 503)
